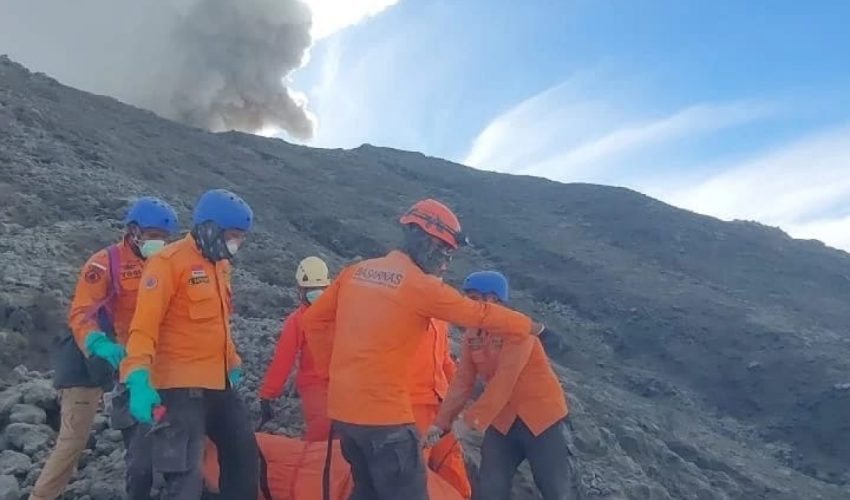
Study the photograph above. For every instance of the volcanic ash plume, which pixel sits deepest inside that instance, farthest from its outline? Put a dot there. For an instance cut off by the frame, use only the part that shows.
(231, 64)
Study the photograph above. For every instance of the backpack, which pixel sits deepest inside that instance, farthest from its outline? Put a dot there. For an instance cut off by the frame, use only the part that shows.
(71, 367)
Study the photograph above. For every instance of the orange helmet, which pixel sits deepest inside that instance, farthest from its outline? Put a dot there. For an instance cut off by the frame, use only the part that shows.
(436, 220)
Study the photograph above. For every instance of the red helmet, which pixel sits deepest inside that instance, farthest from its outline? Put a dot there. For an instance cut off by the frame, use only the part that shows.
(437, 220)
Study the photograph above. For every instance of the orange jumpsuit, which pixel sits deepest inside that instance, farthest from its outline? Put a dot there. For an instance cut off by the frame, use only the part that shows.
(368, 325)
(92, 288)
(181, 329)
(312, 383)
(431, 372)
(521, 412)
(520, 385)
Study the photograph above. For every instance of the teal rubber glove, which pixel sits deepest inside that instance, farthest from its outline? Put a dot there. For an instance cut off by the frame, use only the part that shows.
(98, 344)
(143, 397)
(235, 376)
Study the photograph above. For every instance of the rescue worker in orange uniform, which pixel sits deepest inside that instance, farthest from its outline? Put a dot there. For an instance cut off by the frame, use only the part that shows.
(311, 382)
(367, 326)
(432, 370)
(87, 358)
(522, 410)
(181, 355)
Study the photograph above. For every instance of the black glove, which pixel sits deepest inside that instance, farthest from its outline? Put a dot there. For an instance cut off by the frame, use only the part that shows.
(553, 343)
(266, 411)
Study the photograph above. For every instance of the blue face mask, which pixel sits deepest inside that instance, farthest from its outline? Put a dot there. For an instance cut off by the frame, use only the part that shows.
(313, 295)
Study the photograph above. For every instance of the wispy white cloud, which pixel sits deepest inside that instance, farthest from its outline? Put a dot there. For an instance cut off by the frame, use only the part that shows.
(833, 231)
(588, 158)
(571, 132)
(542, 126)
(802, 187)
(331, 16)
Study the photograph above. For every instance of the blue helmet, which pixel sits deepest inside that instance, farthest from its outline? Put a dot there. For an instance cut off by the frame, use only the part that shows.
(224, 208)
(487, 282)
(152, 213)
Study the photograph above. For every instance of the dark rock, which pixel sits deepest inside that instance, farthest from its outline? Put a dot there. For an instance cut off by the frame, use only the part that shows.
(112, 435)
(27, 414)
(28, 438)
(105, 447)
(9, 488)
(14, 463)
(40, 393)
(32, 476)
(8, 399)
(19, 321)
(19, 374)
(106, 491)
(101, 422)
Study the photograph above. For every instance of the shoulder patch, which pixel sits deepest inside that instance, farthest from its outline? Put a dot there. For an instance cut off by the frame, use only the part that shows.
(94, 274)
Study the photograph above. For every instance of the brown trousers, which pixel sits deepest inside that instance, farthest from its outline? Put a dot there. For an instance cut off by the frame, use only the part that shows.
(78, 408)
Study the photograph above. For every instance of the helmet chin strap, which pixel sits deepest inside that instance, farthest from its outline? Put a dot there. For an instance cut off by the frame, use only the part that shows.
(424, 251)
(208, 238)
(132, 236)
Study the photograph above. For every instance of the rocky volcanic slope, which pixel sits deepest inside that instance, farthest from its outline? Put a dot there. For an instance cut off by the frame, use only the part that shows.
(708, 360)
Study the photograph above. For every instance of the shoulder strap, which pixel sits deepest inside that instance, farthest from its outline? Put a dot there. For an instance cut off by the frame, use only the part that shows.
(103, 309)
(264, 476)
(326, 470)
(114, 254)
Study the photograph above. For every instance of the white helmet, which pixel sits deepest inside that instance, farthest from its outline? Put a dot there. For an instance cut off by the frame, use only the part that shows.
(312, 272)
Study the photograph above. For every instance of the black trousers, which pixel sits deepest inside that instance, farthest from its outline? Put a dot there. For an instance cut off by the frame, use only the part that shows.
(139, 474)
(137, 457)
(552, 462)
(177, 443)
(386, 461)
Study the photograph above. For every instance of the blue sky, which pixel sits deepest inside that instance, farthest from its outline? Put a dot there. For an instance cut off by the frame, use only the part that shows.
(736, 109)
(729, 108)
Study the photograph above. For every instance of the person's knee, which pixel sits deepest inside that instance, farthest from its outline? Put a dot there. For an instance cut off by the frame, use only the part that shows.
(243, 447)
(239, 455)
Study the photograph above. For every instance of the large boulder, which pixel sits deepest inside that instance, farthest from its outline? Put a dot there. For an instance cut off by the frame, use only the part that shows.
(27, 414)
(28, 438)
(106, 490)
(14, 463)
(8, 399)
(9, 488)
(40, 392)
(101, 423)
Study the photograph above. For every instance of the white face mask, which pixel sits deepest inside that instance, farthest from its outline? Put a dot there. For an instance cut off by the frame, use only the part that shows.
(232, 246)
(150, 247)
(313, 295)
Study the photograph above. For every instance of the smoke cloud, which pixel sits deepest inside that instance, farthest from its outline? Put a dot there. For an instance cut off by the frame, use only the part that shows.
(234, 55)
(214, 64)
